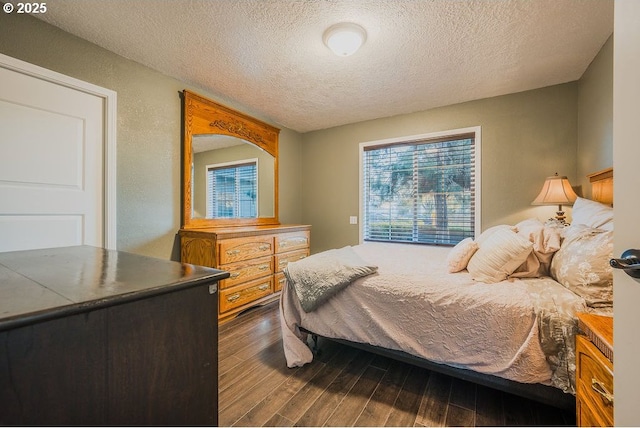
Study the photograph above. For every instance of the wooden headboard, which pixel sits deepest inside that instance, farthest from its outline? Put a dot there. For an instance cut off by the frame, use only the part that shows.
(602, 186)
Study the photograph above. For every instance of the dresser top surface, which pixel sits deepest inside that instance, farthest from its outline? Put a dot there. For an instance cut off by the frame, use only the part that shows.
(234, 232)
(41, 284)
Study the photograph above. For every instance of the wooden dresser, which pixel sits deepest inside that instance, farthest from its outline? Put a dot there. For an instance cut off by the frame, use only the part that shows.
(99, 337)
(594, 370)
(254, 256)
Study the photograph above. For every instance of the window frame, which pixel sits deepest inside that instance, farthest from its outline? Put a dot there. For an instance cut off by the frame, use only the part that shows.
(476, 130)
(235, 163)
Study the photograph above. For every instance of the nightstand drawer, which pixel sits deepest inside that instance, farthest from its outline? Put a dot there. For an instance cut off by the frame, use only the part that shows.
(238, 249)
(246, 271)
(594, 381)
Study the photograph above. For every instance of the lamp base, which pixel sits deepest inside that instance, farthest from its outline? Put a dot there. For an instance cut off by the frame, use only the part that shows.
(561, 217)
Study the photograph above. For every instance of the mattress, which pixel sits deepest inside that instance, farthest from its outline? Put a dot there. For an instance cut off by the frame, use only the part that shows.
(518, 329)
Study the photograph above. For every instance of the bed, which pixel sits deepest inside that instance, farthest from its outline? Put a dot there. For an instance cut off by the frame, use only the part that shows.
(499, 310)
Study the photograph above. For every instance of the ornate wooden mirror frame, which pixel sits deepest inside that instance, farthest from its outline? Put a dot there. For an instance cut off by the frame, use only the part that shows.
(203, 116)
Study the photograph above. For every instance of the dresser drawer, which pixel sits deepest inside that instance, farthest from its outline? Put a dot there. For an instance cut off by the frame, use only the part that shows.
(247, 270)
(292, 241)
(234, 297)
(279, 281)
(282, 260)
(238, 249)
(594, 382)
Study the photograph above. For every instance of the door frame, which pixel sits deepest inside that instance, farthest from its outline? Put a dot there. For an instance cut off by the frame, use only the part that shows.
(109, 98)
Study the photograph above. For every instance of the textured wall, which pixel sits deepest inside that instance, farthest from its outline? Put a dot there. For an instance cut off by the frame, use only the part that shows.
(148, 132)
(525, 137)
(595, 117)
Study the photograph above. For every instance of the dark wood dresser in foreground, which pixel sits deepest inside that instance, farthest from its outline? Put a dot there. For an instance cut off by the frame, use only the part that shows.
(594, 371)
(98, 337)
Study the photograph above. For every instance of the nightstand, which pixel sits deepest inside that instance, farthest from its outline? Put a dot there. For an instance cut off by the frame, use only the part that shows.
(594, 370)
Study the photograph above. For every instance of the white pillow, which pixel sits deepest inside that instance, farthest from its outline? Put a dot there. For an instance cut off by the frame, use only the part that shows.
(499, 256)
(459, 256)
(592, 214)
(487, 233)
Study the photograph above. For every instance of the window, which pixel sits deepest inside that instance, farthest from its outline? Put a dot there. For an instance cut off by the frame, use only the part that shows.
(232, 190)
(421, 189)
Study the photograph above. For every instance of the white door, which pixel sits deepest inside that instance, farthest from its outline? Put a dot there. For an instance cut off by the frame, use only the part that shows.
(52, 163)
(626, 147)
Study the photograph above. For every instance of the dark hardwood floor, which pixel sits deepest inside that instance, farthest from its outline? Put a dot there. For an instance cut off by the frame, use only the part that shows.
(348, 387)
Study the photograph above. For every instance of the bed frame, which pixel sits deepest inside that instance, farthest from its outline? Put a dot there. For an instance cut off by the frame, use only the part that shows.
(602, 191)
(538, 392)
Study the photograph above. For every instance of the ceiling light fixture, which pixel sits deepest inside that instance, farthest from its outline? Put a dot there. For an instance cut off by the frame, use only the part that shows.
(345, 38)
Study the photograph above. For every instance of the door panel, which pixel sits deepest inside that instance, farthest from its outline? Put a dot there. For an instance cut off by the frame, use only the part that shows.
(626, 290)
(51, 164)
(36, 231)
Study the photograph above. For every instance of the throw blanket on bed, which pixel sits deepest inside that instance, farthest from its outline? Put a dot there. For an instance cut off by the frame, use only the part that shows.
(318, 277)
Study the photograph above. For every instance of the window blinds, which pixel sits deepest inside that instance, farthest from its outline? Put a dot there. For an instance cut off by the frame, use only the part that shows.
(420, 191)
(232, 191)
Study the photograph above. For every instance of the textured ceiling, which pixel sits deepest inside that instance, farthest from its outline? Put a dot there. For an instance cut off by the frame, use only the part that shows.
(269, 55)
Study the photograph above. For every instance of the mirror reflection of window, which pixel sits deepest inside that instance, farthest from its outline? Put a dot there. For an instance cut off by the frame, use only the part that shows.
(232, 189)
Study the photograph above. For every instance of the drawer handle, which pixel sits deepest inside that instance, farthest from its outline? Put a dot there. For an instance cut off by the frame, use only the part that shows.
(263, 267)
(263, 247)
(282, 281)
(233, 252)
(233, 297)
(263, 287)
(234, 275)
(286, 261)
(599, 387)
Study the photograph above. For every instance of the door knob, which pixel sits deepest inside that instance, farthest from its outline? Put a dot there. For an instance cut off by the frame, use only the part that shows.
(629, 261)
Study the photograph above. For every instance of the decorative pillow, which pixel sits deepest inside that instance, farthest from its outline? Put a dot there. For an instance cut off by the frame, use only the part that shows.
(459, 256)
(487, 233)
(546, 241)
(592, 214)
(499, 255)
(582, 264)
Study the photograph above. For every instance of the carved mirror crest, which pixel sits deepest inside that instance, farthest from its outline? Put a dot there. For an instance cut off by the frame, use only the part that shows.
(230, 167)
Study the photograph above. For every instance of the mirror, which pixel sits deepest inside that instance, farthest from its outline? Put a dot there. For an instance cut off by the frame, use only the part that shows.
(230, 167)
(239, 168)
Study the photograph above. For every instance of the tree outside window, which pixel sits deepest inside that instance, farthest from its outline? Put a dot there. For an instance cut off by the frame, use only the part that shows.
(420, 191)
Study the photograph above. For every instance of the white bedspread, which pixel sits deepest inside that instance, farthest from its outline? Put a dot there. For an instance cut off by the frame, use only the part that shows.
(413, 304)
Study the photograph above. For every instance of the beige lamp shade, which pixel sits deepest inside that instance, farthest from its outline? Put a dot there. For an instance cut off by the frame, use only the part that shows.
(556, 190)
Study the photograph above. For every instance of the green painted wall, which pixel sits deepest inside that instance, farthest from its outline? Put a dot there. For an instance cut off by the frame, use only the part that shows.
(526, 137)
(148, 132)
(595, 116)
